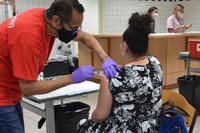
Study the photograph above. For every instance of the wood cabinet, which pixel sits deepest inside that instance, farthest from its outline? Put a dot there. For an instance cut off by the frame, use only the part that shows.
(165, 47)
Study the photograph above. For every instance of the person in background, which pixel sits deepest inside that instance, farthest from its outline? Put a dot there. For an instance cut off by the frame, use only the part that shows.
(175, 23)
(153, 12)
(25, 43)
(131, 101)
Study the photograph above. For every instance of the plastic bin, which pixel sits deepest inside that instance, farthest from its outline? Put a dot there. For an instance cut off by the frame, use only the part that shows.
(189, 87)
(68, 116)
(194, 47)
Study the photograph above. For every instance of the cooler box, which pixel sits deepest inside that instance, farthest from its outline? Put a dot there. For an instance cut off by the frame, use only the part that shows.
(194, 47)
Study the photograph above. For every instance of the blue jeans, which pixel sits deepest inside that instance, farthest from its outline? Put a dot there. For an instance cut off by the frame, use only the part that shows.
(11, 119)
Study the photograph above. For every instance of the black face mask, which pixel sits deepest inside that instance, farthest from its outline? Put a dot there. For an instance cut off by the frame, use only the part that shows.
(66, 36)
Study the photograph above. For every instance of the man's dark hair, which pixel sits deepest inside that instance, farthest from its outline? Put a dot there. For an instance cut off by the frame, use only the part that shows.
(64, 8)
(136, 35)
(150, 10)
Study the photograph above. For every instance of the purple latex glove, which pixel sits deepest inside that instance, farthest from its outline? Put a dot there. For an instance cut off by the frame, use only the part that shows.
(110, 68)
(83, 73)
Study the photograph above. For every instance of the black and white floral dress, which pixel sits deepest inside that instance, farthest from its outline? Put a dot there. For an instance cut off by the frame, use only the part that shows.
(136, 93)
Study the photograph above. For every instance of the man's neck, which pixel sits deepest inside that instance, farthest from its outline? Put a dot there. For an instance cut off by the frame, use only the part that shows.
(50, 30)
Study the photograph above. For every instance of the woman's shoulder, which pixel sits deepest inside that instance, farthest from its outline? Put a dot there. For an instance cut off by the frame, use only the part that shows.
(172, 17)
(153, 59)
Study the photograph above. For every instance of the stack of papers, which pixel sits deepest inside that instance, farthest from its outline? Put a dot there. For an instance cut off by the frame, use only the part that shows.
(70, 90)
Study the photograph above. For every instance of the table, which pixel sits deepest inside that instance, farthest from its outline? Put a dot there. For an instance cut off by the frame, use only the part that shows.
(49, 98)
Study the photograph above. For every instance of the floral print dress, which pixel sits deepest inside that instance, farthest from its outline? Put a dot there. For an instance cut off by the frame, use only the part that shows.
(136, 93)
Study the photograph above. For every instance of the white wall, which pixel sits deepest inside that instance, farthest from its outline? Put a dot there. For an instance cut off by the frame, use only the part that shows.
(91, 16)
(90, 23)
(192, 10)
(3, 14)
(117, 12)
(23, 5)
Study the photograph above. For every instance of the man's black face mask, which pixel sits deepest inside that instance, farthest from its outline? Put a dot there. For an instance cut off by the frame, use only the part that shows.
(66, 36)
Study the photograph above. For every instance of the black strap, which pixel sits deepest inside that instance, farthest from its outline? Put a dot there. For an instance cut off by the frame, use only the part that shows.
(173, 106)
(41, 122)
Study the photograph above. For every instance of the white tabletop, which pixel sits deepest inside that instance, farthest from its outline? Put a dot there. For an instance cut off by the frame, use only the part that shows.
(67, 91)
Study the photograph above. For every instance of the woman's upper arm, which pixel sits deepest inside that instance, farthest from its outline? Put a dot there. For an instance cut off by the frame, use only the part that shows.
(101, 113)
(104, 104)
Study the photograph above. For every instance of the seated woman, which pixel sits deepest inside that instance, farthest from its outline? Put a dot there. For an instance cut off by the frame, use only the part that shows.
(131, 101)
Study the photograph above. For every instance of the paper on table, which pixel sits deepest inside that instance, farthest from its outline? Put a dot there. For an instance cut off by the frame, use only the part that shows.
(192, 32)
(73, 89)
(164, 34)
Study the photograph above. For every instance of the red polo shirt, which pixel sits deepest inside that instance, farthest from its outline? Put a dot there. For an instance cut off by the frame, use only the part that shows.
(24, 49)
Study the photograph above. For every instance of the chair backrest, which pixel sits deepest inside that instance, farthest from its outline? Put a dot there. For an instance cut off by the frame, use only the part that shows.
(181, 102)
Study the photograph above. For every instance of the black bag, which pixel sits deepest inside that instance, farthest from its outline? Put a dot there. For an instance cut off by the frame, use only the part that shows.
(64, 67)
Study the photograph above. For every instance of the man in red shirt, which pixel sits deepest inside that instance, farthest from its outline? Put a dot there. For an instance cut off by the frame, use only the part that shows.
(25, 43)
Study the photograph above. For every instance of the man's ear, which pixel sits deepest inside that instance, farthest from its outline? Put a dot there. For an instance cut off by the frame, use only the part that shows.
(55, 21)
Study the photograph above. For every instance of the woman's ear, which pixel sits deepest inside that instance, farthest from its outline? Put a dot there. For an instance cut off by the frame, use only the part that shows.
(125, 47)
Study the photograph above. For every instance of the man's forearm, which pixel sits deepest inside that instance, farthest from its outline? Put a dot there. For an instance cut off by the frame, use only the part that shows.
(90, 42)
(40, 87)
(98, 49)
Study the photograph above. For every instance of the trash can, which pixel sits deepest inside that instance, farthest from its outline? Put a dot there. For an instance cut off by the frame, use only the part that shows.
(68, 116)
(189, 87)
(197, 98)
(194, 47)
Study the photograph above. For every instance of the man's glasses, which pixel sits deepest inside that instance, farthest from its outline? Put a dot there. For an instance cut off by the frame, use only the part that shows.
(74, 29)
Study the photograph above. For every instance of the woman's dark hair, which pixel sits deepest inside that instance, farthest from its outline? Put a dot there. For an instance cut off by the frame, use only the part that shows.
(179, 5)
(64, 8)
(136, 35)
(152, 9)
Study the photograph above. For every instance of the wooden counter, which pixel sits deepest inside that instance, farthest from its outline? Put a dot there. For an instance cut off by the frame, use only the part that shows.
(165, 46)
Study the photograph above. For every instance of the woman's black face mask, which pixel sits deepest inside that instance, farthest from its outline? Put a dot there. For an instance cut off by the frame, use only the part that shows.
(66, 36)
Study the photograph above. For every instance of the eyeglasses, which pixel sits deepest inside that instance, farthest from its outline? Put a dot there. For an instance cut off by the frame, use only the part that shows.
(74, 29)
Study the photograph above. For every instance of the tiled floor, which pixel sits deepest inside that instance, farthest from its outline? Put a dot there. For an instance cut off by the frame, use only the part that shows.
(32, 119)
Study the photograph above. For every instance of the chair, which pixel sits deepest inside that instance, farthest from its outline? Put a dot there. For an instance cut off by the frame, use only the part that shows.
(181, 102)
